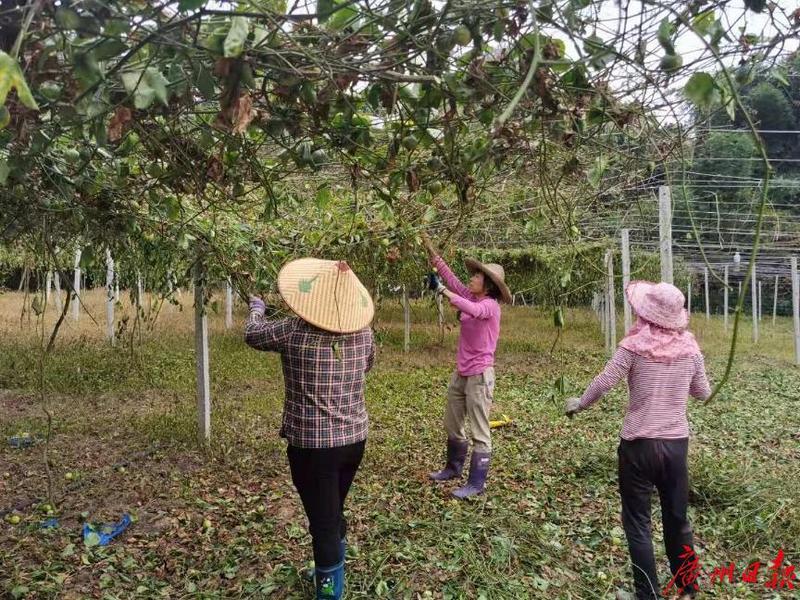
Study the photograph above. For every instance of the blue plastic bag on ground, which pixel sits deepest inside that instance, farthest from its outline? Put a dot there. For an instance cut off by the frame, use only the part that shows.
(101, 535)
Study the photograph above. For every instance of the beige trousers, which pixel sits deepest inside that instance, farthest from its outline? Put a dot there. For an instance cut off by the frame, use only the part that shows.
(472, 397)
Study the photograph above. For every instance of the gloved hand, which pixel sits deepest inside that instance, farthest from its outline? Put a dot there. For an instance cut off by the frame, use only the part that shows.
(571, 406)
(434, 283)
(440, 289)
(257, 304)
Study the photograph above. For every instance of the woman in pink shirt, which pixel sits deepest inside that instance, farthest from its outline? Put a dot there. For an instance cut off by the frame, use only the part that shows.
(472, 384)
(663, 366)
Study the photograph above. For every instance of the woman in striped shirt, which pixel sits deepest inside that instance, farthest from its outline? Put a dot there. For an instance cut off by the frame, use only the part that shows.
(663, 366)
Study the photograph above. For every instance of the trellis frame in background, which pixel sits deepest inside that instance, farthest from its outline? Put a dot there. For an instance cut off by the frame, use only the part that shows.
(666, 252)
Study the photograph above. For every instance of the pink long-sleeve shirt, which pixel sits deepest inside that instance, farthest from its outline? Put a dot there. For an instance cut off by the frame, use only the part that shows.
(480, 324)
(658, 391)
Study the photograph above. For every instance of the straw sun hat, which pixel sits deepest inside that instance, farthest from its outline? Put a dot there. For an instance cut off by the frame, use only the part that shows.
(327, 294)
(494, 272)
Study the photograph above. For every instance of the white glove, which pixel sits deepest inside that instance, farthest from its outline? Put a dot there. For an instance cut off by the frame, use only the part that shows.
(440, 289)
(571, 406)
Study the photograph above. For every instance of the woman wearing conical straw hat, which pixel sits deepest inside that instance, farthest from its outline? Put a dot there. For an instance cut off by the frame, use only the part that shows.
(471, 387)
(325, 351)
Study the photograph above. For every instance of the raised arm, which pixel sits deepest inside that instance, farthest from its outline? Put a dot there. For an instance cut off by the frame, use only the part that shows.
(270, 336)
(449, 278)
(451, 282)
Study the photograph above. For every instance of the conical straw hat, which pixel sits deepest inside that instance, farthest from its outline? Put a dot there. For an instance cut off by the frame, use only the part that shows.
(327, 294)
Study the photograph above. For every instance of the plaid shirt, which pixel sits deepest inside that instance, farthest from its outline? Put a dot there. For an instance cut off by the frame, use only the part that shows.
(324, 379)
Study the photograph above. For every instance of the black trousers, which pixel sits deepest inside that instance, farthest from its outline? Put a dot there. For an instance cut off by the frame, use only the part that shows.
(643, 465)
(323, 477)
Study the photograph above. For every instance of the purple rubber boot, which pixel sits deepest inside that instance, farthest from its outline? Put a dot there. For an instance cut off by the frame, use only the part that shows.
(478, 470)
(456, 457)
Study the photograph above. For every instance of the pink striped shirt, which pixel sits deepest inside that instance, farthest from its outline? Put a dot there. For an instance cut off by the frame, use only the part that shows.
(658, 393)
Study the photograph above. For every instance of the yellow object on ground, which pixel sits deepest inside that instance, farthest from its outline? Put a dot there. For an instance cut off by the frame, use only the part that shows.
(501, 423)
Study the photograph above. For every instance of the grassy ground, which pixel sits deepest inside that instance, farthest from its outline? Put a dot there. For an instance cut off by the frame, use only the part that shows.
(226, 523)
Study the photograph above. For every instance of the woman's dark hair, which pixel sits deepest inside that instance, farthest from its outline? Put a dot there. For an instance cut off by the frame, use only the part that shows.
(491, 288)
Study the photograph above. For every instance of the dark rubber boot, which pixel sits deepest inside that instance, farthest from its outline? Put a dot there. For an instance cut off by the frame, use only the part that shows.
(456, 457)
(478, 470)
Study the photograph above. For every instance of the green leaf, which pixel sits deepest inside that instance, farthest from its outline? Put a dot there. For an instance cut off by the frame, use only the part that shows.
(702, 91)
(50, 90)
(596, 172)
(67, 18)
(727, 99)
(130, 80)
(540, 584)
(528, 41)
(374, 95)
(5, 170)
(19, 591)
(717, 32)
(779, 74)
(11, 77)
(730, 108)
(205, 83)
(173, 207)
(185, 5)
(146, 87)
(576, 79)
(601, 53)
(430, 214)
(750, 38)
(93, 539)
(234, 41)
(116, 27)
(499, 30)
(260, 35)
(559, 45)
(704, 22)
(323, 197)
(87, 69)
(324, 10)
(89, 25)
(345, 14)
(93, 109)
(158, 83)
(545, 11)
(109, 49)
(665, 32)
(100, 133)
